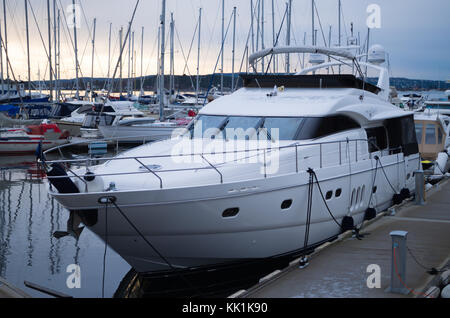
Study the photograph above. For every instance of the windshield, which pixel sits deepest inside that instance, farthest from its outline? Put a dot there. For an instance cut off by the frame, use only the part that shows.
(91, 120)
(275, 128)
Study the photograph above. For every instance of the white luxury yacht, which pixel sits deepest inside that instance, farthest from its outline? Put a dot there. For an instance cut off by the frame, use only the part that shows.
(282, 164)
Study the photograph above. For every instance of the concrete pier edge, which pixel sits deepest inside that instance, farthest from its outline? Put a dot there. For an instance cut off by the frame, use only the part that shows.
(277, 274)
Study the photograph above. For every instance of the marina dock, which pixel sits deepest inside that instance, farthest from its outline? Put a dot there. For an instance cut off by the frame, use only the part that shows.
(9, 291)
(339, 269)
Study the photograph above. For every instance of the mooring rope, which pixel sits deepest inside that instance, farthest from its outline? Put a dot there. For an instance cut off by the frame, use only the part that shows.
(169, 264)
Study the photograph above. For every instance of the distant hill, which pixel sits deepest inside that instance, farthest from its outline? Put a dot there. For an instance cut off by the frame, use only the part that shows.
(187, 83)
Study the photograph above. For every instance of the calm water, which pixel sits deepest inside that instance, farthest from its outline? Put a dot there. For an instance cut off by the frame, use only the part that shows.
(28, 250)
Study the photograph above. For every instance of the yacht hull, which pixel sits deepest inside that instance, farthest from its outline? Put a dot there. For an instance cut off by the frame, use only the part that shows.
(136, 134)
(72, 127)
(188, 228)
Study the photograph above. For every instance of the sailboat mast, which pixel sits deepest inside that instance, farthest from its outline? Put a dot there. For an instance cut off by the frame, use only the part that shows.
(56, 50)
(339, 23)
(133, 65)
(28, 49)
(273, 33)
(161, 79)
(129, 65)
(6, 41)
(142, 62)
(234, 48)
(92, 61)
(1, 60)
(288, 34)
(262, 34)
(222, 45)
(109, 57)
(50, 50)
(171, 80)
(59, 55)
(339, 28)
(120, 62)
(313, 31)
(252, 13)
(197, 89)
(77, 84)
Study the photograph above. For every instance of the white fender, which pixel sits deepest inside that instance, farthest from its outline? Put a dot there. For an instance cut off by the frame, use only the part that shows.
(441, 164)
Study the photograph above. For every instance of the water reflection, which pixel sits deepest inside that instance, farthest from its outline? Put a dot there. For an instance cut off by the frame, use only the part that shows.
(28, 250)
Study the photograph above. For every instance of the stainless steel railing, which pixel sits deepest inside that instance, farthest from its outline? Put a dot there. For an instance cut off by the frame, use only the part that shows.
(210, 166)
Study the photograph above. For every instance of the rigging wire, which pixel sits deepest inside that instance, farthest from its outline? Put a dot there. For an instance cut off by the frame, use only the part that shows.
(186, 59)
(121, 52)
(276, 42)
(40, 34)
(218, 58)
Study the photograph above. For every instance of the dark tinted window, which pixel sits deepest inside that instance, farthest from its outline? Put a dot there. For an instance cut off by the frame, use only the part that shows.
(287, 128)
(402, 135)
(377, 138)
(419, 127)
(321, 127)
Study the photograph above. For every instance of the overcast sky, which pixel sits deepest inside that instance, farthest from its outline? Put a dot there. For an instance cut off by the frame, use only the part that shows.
(415, 33)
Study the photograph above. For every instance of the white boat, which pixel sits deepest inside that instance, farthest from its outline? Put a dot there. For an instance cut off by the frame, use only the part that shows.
(433, 137)
(17, 141)
(107, 115)
(413, 101)
(74, 122)
(139, 130)
(15, 93)
(238, 184)
(440, 106)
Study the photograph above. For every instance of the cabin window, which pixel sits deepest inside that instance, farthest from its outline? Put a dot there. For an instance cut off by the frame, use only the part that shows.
(228, 213)
(377, 139)
(440, 135)
(419, 128)
(90, 121)
(402, 135)
(287, 127)
(286, 204)
(241, 128)
(320, 127)
(208, 125)
(430, 134)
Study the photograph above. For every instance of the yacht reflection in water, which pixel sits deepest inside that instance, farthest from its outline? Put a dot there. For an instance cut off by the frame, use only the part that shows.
(30, 221)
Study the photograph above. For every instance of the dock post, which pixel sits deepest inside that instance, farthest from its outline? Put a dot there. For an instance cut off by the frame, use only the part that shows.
(398, 264)
(420, 187)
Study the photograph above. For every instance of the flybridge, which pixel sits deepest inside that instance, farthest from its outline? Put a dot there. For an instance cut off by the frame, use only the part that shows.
(308, 81)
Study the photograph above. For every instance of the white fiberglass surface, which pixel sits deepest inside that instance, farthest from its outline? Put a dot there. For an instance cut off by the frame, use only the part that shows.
(184, 162)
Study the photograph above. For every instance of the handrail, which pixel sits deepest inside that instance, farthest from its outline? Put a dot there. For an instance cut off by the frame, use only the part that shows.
(150, 170)
(111, 139)
(210, 165)
(215, 153)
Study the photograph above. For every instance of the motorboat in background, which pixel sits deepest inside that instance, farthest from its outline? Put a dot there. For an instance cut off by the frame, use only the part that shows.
(433, 137)
(413, 101)
(441, 106)
(241, 182)
(14, 141)
(74, 122)
(15, 93)
(109, 114)
(141, 130)
(393, 97)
